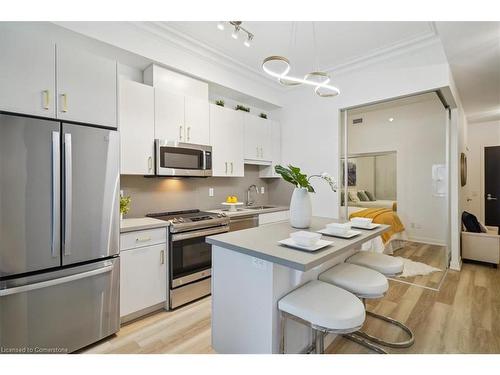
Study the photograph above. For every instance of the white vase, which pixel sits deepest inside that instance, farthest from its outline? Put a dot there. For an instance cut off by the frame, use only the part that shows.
(300, 208)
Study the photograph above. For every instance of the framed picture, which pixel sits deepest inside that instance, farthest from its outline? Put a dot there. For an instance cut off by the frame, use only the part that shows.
(351, 173)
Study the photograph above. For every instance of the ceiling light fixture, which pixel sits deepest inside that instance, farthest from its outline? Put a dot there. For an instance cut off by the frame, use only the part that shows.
(279, 67)
(391, 119)
(237, 30)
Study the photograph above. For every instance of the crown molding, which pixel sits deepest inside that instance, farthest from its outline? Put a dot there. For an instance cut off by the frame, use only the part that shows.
(202, 50)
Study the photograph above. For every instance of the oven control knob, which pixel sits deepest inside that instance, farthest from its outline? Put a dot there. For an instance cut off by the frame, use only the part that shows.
(175, 220)
(223, 214)
(219, 215)
(181, 220)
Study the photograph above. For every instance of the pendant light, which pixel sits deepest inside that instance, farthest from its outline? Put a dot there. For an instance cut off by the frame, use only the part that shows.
(279, 67)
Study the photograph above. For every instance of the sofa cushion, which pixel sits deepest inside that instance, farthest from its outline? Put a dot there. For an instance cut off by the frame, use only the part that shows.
(471, 223)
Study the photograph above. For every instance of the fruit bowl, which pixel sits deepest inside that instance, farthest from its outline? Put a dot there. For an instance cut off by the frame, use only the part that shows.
(232, 207)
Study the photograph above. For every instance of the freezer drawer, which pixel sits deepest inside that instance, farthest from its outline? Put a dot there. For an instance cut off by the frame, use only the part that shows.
(62, 311)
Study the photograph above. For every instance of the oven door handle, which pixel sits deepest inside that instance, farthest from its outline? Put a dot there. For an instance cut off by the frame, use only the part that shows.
(200, 233)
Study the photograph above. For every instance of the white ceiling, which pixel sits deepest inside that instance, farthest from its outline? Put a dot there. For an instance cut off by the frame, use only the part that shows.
(338, 43)
(473, 52)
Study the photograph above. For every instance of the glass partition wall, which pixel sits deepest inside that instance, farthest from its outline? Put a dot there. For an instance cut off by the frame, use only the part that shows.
(397, 157)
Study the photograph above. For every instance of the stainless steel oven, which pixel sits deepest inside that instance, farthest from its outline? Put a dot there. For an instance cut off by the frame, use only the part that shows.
(182, 159)
(190, 257)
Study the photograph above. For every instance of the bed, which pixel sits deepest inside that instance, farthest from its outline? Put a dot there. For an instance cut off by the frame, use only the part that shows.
(389, 241)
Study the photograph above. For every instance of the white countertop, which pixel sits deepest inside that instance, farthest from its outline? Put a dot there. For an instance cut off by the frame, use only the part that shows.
(141, 223)
(262, 242)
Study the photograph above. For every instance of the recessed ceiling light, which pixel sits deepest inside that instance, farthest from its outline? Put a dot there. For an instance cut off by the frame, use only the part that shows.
(220, 25)
(391, 119)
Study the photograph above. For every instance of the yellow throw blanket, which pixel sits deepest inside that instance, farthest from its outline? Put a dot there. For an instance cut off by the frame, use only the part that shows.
(382, 216)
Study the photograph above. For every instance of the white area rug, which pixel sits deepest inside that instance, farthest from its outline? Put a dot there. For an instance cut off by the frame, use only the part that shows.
(412, 268)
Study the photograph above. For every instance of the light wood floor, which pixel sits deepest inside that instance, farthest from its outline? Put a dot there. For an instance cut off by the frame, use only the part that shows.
(463, 317)
(432, 255)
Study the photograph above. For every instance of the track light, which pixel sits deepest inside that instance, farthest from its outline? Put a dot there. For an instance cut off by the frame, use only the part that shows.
(248, 41)
(234, 35)
(238, 29)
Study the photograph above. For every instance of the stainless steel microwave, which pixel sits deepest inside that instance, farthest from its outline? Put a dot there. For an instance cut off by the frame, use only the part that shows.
(178, 159)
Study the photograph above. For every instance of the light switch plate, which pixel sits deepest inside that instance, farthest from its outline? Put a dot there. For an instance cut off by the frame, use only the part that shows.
(210, 192)
(262, 190)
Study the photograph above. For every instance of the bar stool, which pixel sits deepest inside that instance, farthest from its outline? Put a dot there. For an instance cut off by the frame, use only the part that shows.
(324, 308)
(364, 275)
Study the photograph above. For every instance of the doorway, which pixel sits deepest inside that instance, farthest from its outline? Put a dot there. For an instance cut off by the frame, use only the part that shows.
(492, 185)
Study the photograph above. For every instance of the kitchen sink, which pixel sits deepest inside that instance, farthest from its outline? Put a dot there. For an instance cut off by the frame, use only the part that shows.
(258, 207)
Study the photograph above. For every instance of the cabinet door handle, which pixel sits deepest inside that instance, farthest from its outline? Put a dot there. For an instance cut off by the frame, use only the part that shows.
(257, 148)
(64, 103)
(188, 133)
(226, 166)
(162, 257)
(150, 164)
(180, 133)
(262, 152)
(231, 167)
(142, 239)
(46, 99)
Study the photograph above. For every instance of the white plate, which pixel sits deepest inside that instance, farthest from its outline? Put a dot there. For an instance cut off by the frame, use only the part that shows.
(369, 227)
(349, 234)
(319, 245)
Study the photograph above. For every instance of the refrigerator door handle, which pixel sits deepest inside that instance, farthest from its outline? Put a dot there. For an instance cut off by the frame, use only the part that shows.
(68, 188)
(61, 280)
(55, 190)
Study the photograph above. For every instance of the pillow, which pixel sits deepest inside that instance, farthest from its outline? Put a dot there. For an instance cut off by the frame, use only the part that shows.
(470, 222)
(483, 228)
(353, 197)
(362, 196)
(370, 196)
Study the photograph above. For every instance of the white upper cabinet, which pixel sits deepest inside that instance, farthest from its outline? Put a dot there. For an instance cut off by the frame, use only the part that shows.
(27, 75)
(275, 150)
(137, 126)
(169, 116)
(86, 87)
(196, 119)
(181, 106)
(257, 140)
(226, 137)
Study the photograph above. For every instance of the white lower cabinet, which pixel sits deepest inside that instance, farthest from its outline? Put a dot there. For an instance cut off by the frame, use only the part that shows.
(143, 279)
(273, 217)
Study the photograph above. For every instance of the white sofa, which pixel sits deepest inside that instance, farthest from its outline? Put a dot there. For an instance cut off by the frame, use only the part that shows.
(483, 247)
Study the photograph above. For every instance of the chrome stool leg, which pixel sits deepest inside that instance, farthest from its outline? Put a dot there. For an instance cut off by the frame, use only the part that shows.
(365, 343)
(378, 340)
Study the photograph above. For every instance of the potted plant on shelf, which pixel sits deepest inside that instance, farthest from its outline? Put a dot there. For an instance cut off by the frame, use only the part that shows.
(124, 205)
(240, 107)
(220, 102)
(263, 115)
(300, 205)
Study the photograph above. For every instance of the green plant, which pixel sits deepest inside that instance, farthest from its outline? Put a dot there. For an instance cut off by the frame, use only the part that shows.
(294, 176)
(125, 204)
(220, 102)
(263, 115)
(240, 107)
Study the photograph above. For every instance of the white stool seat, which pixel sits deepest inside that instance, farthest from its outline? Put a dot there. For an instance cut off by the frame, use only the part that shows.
(362, 281)
(382, 263)
(324, 305)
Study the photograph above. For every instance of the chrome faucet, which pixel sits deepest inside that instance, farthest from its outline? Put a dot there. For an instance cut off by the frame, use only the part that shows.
(249, 201)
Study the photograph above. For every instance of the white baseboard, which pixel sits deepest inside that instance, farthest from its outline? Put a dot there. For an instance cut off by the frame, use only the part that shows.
(429, 241)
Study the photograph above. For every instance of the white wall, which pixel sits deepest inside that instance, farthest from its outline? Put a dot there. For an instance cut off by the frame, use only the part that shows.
(310, 135)
(418, 135)
(480, 135)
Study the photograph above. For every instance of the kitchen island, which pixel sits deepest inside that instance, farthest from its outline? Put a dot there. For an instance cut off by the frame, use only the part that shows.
(251, 272)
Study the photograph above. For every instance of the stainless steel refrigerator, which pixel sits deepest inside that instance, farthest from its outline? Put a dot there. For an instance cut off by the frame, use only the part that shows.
(59, 235)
